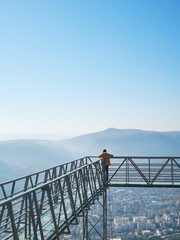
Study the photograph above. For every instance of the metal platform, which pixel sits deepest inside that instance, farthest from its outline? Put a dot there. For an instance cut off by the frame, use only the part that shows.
(44, 205)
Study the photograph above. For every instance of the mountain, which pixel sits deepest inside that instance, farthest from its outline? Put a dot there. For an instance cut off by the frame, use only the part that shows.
(21, 157)
(28, 156)
(125, 142)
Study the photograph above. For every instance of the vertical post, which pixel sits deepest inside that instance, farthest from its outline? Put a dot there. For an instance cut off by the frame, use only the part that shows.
(149, 164)
(104, 202)
(172, 172)
(127, 171)
(105, 214)
(85, 224)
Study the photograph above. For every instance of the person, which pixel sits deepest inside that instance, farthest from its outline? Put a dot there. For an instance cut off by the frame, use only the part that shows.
(106, 156)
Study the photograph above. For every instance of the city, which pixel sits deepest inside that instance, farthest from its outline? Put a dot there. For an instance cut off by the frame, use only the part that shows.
(137, 213)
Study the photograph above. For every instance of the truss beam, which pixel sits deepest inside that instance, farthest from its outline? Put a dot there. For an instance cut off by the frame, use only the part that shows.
(45, 204)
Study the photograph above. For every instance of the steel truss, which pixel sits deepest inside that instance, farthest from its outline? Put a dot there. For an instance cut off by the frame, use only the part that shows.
(97, 227)
(44, 205)
(145, 172)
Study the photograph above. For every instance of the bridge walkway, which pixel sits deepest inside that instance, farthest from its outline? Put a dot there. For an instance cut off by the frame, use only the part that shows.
(45, 204)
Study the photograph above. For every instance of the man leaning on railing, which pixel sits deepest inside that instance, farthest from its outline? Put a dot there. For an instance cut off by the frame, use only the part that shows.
(106, 158)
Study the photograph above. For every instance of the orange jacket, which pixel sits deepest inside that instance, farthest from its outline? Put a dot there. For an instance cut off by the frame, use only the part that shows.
(107, 157)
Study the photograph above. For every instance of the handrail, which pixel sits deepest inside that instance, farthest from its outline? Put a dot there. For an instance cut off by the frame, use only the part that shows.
(29, 191)
(21, 184)
(145, 171)
(43, 204)
(56, 201)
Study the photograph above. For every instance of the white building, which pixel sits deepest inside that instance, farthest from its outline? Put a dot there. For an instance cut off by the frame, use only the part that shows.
(115, 238)
(146, 233)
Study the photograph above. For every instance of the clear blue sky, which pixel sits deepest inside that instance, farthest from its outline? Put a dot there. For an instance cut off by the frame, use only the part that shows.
(72, 67)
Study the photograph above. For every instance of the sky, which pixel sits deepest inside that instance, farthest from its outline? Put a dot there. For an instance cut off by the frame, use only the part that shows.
(70, 67)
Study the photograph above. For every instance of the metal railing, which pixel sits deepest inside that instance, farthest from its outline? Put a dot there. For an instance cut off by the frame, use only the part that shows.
(145, 171)
(20, 185)
(44, 204)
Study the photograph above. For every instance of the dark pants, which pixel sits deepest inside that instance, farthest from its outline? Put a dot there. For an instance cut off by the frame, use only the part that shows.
(106, 172)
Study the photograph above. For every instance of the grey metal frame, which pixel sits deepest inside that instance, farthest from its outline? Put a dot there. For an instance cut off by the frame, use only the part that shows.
(145, 172)
(43, 205)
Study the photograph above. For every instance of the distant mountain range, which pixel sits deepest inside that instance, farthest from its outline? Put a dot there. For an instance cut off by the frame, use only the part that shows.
(126, 142)
(20, 157)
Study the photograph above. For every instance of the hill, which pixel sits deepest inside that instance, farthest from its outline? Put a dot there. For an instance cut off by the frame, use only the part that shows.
(28, 156)
(125, 142)
(20, 157)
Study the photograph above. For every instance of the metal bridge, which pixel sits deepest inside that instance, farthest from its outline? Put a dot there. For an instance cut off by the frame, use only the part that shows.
(45, 205)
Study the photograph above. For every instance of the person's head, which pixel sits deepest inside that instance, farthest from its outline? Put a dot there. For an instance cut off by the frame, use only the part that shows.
(104, 150)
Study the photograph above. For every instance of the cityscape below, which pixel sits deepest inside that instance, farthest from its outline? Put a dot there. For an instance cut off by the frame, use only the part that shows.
(137, 214)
